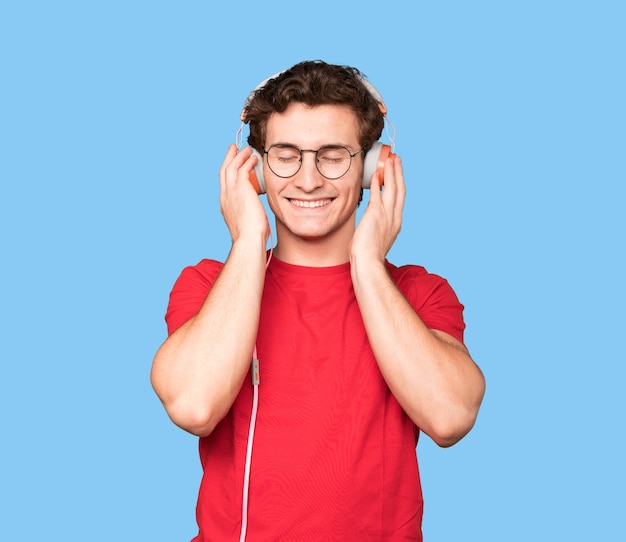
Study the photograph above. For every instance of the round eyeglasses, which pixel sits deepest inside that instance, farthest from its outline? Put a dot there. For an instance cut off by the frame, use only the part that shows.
(332, 161)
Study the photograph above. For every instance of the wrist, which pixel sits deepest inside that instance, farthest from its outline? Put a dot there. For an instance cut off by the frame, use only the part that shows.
(367, 267)
(250, 245)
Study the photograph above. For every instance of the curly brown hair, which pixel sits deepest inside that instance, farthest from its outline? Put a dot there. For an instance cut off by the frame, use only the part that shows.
(314, 82)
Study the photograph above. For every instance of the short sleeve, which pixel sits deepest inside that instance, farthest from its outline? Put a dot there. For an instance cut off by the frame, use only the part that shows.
(189, 292)
(432, 298)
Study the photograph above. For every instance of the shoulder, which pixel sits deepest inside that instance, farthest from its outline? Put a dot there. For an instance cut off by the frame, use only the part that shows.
(431, 296)
(203, 273)
(190, 291)
(417, 279)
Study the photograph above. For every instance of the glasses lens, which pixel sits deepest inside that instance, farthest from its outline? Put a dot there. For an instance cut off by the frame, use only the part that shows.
(333, 162)
(284, 160)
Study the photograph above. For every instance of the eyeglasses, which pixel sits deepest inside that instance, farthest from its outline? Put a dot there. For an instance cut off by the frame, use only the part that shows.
(332, 161)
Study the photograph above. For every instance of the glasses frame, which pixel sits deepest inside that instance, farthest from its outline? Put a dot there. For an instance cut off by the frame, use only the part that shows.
(301, 151)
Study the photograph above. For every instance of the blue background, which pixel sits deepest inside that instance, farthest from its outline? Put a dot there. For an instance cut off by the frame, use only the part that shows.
(114, 119)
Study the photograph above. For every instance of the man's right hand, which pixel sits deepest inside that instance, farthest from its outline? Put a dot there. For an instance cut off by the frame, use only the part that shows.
(239, 203)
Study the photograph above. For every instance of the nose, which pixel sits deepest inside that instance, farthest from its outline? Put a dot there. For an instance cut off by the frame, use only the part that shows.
(308, 178)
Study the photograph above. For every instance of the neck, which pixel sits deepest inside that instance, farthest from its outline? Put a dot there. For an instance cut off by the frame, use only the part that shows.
(324, 252)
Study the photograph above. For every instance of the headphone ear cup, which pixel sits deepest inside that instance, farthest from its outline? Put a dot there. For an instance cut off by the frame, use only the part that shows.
(256, 175)
(375, 161)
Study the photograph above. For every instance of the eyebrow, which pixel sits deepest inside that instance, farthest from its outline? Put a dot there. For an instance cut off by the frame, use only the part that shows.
(346, 145)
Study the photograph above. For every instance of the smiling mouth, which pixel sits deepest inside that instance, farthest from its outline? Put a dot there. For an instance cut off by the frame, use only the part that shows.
(310, 204)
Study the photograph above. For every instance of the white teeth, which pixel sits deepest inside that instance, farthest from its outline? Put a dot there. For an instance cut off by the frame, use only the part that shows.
(310, 204)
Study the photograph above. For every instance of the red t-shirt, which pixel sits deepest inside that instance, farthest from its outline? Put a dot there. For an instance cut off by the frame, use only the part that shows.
(334, 453)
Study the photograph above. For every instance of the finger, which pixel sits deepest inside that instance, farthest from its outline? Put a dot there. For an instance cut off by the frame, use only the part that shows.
(236, 163)
(375, 188)
(389, 193)
(400, 185)
(231, 154)
(395, 189)
(248, 165)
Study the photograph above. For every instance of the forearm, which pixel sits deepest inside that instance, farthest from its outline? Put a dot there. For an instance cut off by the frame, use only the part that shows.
(198, 371)
(431, 374)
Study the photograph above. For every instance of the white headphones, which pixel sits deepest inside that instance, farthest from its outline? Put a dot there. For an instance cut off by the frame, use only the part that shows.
(374, 159)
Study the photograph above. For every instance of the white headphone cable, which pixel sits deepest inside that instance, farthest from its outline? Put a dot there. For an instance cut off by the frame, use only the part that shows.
(392, 136)
(255, 408)
(246, 476)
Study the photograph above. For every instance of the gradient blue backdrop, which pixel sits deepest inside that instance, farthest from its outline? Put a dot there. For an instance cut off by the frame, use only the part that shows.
(114, 119)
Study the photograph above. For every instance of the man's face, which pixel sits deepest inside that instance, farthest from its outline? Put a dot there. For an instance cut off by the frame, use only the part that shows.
(308, 205)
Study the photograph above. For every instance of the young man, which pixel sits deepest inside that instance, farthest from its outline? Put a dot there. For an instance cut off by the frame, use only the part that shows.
(356, 356)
